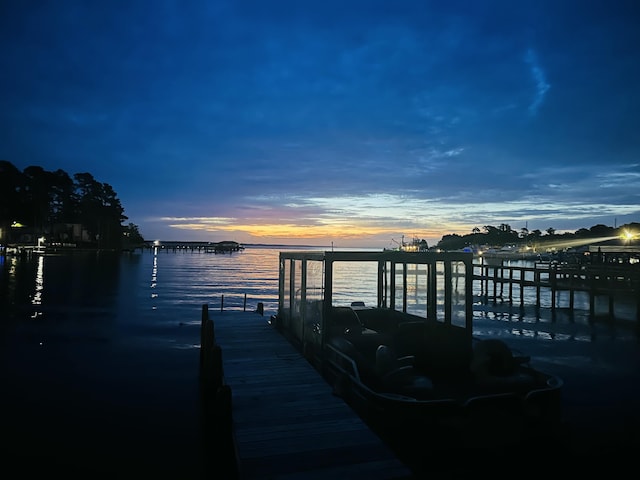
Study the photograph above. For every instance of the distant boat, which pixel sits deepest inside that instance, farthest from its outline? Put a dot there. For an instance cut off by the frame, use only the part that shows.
(415, 245)
(495, 256)
(226, 246)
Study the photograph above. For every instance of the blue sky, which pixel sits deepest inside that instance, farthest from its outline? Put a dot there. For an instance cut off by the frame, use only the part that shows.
(312, 122)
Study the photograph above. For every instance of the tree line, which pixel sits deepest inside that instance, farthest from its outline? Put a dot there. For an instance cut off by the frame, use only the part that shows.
(505, 235)
(76, 209)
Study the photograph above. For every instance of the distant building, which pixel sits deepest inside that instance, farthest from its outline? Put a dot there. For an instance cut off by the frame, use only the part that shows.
(617, 254)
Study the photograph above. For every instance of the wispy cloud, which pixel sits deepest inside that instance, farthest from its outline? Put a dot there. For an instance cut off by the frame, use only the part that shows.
(540, 80)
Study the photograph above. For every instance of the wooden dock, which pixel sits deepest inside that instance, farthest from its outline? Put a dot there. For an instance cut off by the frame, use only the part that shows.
(596, 280)
(285, 421)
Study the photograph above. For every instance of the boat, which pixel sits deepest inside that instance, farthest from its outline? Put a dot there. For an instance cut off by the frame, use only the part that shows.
(497, 256)
(399, 347)
(227, 246)
(416, 245)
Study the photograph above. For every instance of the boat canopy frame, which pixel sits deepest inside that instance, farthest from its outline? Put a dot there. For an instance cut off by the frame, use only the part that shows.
(306, 288)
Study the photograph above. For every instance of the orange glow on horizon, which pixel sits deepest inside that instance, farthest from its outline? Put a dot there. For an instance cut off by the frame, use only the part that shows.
(302, 232)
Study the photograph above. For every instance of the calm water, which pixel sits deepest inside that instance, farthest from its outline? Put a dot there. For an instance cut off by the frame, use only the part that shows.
(103, 294)
(140, 298)
(74, 303)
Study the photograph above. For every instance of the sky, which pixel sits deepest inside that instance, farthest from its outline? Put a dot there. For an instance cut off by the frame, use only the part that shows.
(347, 123)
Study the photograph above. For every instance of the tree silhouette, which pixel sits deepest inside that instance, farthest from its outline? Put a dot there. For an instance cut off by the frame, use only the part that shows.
(51, 203)
(11, 186)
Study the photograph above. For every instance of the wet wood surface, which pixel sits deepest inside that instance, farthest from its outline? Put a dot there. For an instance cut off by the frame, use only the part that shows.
(286, 421)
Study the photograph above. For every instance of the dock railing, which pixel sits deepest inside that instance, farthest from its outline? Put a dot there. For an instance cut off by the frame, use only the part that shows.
(596, 280)
(237, 303)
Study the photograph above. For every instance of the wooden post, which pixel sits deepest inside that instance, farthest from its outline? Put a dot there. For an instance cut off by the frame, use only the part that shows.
(495, 284)
(592, 294)
(244, 306)
(224, 407)
(486, 284)
(203, 321)
(572, 278)
(223, 454)
(511, 286)
(221, 303)
(206, 351)
(553, 283)
(210, 333)
(611, 308)
(216, 367)
(211, 369)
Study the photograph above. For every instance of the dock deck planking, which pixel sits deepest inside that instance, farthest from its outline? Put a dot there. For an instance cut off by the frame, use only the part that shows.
(287, 422)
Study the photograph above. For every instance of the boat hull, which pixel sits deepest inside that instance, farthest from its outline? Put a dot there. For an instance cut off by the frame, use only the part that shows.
(516, 408)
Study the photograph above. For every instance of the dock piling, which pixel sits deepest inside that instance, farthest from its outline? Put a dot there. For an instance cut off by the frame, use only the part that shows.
(203, 320)
(553, 279)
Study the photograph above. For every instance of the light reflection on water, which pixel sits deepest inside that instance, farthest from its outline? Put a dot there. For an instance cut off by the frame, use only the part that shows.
(37, 296)
(97, 293)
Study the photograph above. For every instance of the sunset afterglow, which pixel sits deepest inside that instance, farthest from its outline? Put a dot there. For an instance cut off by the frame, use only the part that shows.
(345, 122)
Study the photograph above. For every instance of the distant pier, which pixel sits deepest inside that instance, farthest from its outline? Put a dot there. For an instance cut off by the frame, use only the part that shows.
(201, 247)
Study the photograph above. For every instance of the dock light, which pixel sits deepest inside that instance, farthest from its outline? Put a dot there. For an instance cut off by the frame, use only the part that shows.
(627, 235)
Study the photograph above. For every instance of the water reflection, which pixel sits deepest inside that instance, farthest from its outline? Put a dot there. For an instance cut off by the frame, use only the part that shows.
(39, 287)
(154, 277)
(547, 324)
(132, 288)
(21, 286)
